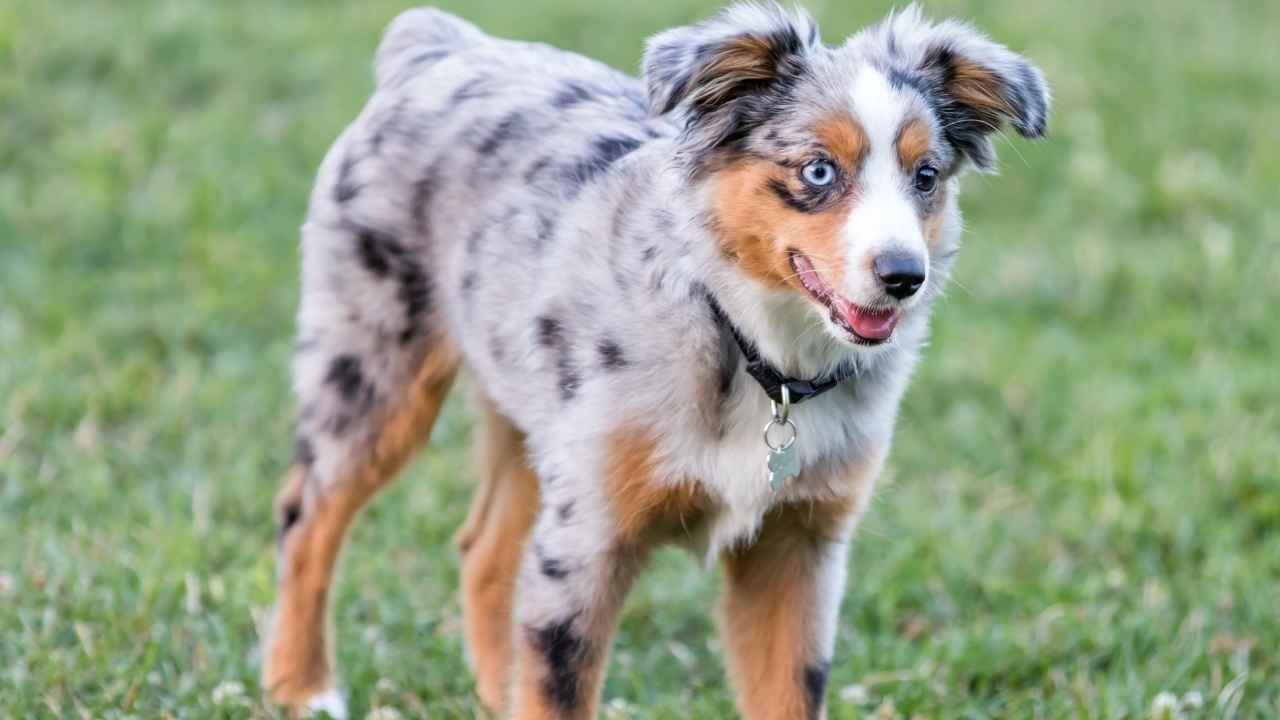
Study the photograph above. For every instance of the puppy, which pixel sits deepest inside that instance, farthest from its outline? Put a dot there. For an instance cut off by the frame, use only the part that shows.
(689, 304)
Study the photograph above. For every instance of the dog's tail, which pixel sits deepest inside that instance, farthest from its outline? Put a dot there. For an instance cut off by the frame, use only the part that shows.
(419, 38)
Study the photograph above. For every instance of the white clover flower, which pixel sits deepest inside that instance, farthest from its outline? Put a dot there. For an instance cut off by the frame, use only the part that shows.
(855, 694)
(229, 692)
(1164, 706)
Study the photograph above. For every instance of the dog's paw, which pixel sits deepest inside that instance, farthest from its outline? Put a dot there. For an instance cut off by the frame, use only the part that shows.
(329, 703)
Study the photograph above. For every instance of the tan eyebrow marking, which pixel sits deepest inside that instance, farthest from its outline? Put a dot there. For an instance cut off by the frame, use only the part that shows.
(914, 140)
(844, 138)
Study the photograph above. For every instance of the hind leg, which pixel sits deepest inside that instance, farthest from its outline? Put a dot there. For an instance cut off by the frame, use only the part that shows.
(371, 372)
(492, 544)
(314, 515)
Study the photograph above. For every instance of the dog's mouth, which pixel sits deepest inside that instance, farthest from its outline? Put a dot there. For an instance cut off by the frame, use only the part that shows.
(867, 326)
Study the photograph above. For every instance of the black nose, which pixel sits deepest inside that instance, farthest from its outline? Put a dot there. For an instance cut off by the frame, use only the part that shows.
(900, 273)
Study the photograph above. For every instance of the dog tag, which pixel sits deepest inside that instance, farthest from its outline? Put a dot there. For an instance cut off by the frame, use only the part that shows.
(783, 461)
(784, 464)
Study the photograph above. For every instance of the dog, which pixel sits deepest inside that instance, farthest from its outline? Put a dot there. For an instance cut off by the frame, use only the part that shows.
(689, 306)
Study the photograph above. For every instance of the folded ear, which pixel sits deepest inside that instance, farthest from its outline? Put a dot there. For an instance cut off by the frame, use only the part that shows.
(975, 85)
(718, 72)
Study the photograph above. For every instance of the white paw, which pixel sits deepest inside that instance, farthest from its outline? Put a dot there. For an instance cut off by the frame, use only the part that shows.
(330, 701)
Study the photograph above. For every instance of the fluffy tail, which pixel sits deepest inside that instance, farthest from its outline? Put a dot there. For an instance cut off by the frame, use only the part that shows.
(419, 38)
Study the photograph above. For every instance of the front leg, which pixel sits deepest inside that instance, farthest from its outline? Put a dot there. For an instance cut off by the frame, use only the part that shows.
(573, 581)
(781, 601)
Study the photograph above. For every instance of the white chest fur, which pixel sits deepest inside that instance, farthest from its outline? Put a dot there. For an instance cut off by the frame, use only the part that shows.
(848, 426)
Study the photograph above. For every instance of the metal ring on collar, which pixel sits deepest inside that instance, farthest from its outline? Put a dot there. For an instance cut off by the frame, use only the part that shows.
(776, 423)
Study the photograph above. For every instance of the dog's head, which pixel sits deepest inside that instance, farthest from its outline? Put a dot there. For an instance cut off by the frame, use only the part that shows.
(831, 172)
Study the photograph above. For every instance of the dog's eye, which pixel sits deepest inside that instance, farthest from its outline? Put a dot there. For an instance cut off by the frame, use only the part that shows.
(926, 179)
(819, 173)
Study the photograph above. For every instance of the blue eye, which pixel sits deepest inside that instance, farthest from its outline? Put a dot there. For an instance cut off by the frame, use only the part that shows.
(926, 179)
(819, 173)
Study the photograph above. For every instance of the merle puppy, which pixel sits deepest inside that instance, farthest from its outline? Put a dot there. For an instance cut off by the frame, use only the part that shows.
(641, 276)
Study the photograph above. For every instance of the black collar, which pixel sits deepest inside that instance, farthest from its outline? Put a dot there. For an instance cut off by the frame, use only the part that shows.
(768, 376)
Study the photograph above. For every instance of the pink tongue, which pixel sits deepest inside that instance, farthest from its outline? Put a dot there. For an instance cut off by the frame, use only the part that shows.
(870, 324)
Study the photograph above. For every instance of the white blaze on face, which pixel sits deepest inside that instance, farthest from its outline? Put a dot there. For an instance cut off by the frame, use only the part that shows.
(884, 216)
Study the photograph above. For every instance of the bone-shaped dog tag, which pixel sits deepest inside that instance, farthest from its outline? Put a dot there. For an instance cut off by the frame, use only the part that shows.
(784, 464)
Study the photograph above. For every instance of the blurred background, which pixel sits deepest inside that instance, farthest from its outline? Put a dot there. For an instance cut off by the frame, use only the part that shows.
(1081, 517)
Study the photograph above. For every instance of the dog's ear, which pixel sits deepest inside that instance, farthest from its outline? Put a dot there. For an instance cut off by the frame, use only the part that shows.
(716, 72)
(975, 85)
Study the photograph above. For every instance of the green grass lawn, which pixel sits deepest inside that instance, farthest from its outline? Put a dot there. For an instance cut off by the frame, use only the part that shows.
(1082, 510)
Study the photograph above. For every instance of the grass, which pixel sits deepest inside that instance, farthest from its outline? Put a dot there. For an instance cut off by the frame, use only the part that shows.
(1082, 510)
